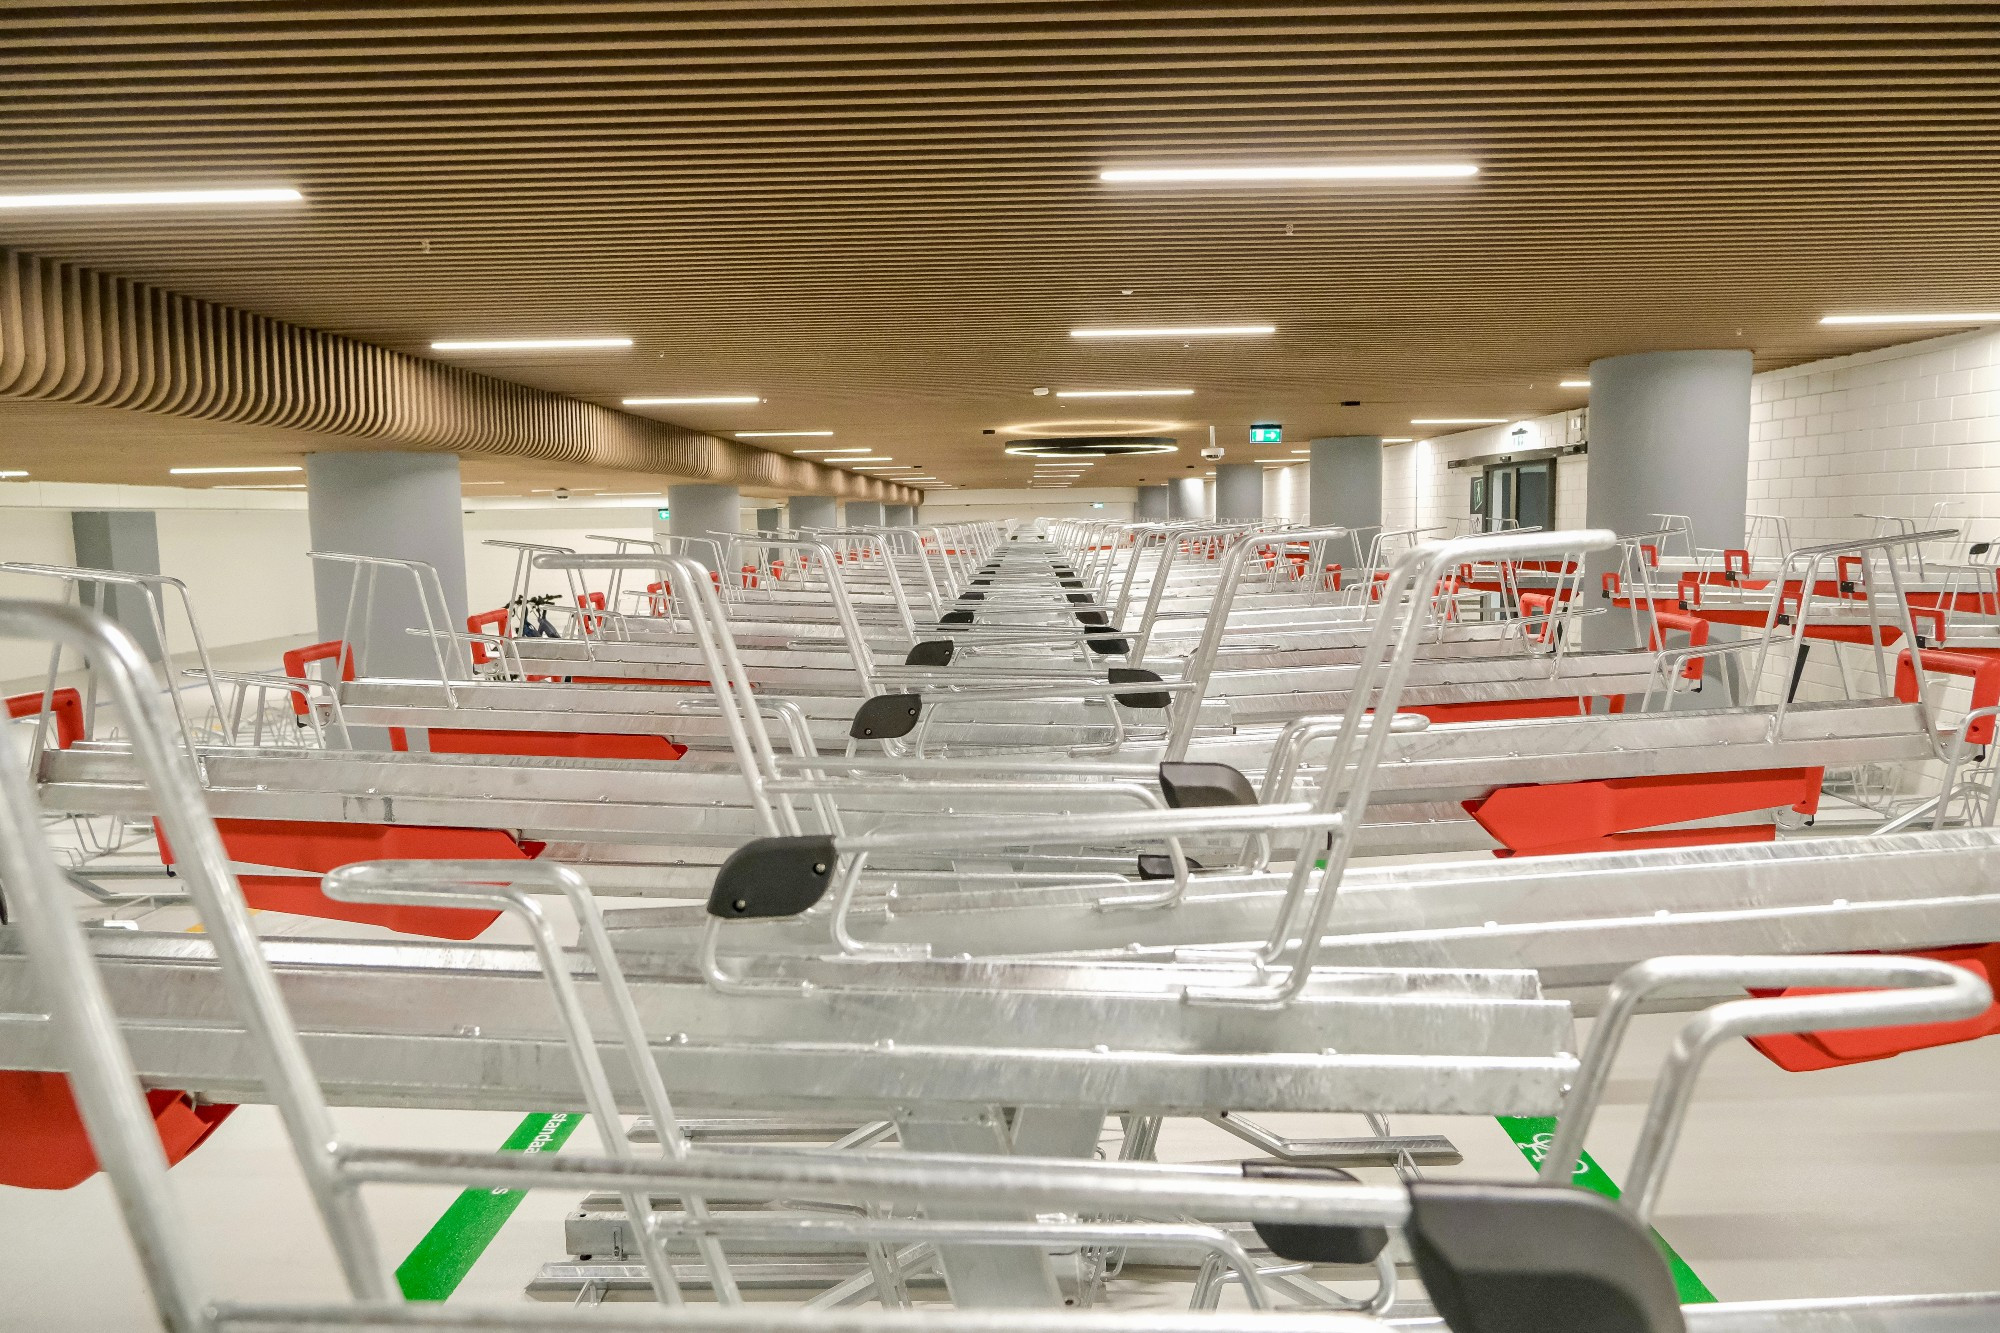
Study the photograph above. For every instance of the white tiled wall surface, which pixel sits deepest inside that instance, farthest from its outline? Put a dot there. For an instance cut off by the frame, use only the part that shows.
(1894, 431)
(1420, 488)
(1907, 431)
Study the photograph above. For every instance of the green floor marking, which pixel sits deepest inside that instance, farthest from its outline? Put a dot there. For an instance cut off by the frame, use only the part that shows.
(433, 1270)
(1533, 1135)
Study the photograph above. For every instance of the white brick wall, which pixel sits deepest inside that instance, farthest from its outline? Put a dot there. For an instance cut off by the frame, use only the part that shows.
(1895, 431)
(1420, 489)
(1892, 431)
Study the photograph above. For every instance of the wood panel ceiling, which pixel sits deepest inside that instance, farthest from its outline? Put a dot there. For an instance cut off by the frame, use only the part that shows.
(884, 218)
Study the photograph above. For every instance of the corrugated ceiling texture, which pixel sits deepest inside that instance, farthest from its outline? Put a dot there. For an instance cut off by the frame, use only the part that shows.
(885, 217)
(72, 335)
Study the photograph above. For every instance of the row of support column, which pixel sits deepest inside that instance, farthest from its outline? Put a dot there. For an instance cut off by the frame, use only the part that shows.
(408, 506)
(1669, 434)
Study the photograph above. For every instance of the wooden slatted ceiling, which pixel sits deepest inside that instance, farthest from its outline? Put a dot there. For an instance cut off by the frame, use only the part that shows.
(886, 217)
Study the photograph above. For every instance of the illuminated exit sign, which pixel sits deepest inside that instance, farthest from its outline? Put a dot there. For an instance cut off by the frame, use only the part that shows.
(1267, 434)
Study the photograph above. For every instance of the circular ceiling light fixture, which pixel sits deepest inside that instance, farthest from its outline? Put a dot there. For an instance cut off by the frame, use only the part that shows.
(1094, 446)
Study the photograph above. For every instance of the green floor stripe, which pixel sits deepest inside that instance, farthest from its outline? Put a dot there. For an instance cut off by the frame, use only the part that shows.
(433, 1270)
(1533, 1135)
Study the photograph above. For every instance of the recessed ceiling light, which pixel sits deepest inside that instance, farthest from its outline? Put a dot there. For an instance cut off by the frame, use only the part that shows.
(1576, 384)
(844, 449)
(655, 495)
(1281, 462)
(714, 400)
(259, 194)
(263, 486)
(11, 475)
(1399, 439)
(485, 483)
(526, 344)
(214, 471)
(1180, 331)
(1124, 393)
(783, 434)
(1458, 421)
(1965, 319)
(1295, 171)
(865, 458)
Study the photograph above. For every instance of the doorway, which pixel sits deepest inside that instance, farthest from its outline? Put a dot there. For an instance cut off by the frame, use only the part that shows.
(1508, 496)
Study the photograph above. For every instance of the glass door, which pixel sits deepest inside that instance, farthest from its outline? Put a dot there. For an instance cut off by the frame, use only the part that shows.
(1516, 495)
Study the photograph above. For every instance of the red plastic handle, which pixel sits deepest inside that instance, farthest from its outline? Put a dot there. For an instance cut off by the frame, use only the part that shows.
(1982, 668)
(1842, 565)
(297, 660)
(66, 705)
(1695, 627)
(1542, 605)
(1690, 591)
(1736, 562)
(1651, 552)
(501, 627)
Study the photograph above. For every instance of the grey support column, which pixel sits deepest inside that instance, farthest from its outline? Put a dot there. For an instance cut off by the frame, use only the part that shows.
(1187, 498)
(127, 540)
(814, 511)
(1152, 503)
(402, 506)
(864, 514)
(1669, 434)
(1239, 492)
(1344, 482)
(899, 516)
(702, 510)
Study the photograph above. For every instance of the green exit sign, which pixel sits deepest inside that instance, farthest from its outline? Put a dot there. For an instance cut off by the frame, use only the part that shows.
(1267, 434)
(663, 513)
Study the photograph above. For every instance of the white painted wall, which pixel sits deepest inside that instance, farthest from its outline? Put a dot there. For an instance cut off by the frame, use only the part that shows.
(246, 572)
(489, 571)
(38, 536)
(243, 557)
(1285, 493)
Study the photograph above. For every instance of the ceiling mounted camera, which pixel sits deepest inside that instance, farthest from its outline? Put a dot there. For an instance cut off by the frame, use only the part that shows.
(1212, 451)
